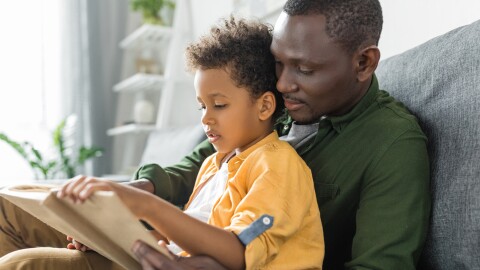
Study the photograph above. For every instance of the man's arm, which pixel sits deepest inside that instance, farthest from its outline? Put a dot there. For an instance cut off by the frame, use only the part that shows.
(394, 207)
(174, 183)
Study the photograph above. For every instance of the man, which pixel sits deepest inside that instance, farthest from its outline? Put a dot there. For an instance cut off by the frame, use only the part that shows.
(367, 153)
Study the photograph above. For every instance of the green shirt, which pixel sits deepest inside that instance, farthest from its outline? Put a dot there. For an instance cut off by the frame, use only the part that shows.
(371, 173)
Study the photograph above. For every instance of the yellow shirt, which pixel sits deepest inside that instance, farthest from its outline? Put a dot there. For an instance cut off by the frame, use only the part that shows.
(269, 178)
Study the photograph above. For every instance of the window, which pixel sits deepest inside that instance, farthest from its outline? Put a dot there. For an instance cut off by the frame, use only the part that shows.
(30, 53)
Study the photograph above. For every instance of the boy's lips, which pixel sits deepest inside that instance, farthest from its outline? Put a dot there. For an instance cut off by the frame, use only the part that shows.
(212, 136)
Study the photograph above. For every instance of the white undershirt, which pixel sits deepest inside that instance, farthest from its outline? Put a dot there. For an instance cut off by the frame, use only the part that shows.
(202, 205)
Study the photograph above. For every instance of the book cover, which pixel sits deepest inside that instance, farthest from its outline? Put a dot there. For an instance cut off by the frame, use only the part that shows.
(102, 222)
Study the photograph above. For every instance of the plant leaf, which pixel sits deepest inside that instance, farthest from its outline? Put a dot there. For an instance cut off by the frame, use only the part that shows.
(87, 153)
(15, 145)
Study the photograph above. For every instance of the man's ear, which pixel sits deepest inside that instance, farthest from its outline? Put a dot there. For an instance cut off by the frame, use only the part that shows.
(266, 106)
(366, 62)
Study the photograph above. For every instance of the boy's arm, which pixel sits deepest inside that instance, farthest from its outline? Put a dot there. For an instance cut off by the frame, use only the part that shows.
(196, 237)
(174, 183)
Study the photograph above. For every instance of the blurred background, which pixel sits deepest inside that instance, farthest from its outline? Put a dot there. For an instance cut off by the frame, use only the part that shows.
(84, 82)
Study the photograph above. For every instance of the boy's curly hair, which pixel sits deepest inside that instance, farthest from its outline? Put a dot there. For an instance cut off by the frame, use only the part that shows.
(243, 48)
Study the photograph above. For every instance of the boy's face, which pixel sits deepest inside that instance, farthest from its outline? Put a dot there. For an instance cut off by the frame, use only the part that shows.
(230, 116)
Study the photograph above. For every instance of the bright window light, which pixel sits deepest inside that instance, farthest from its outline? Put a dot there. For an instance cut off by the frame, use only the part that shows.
(30, 53)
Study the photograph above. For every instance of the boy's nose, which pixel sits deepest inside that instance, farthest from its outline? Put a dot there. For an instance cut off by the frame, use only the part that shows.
(207, 119)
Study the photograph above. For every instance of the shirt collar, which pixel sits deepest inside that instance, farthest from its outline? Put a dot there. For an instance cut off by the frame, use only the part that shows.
(243, 155)
(340, 122)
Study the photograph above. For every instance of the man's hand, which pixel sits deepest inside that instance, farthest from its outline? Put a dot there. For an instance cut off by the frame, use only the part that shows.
(76, 245)
(151, 259)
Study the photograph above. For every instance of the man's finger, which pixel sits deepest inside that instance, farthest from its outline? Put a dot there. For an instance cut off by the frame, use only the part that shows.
(151, 257)
(201, 262)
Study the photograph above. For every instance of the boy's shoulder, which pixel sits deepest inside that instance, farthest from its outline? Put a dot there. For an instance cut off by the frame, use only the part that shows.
(276, 151)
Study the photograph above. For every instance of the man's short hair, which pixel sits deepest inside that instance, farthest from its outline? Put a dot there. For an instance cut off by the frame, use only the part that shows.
(351, 23)
(242, 47)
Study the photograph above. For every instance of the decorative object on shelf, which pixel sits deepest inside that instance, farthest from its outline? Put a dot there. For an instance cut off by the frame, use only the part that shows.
(143, 112)
(155, 11)
(68, 159)
(146, 62)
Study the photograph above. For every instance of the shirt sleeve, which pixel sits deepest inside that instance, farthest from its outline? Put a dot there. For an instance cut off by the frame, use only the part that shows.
(175, 183)
(281, 188)
(393, 214)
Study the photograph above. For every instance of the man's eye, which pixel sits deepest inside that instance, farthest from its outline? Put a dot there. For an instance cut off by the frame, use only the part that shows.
(305, 71)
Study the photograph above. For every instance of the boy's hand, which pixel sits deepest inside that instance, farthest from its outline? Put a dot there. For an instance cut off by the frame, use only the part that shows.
(76, 245)
(151, 259)
(80, 188)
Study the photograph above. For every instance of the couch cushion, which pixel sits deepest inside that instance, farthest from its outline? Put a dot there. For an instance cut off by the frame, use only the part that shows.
(168, 146)
(440, 82)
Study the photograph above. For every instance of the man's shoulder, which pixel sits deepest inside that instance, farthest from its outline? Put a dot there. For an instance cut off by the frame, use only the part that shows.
(390, 116)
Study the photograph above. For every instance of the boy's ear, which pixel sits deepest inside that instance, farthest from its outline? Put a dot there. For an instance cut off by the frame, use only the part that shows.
(366, 61)
(266, 105)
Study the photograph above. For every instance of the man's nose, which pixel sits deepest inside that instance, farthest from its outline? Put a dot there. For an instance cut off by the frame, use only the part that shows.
(286, 82)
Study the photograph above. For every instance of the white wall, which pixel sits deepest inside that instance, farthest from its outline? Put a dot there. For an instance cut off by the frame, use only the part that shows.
(205, 13)
(408, 23)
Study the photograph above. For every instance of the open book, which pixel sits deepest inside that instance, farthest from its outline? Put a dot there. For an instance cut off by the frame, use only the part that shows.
(102, 222)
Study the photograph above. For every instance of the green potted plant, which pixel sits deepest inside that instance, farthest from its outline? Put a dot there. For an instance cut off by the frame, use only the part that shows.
(68, 159)
(154, 11)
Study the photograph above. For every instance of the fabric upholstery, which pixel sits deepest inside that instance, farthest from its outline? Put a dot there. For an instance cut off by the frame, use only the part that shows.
(439, 81)
(168, 146)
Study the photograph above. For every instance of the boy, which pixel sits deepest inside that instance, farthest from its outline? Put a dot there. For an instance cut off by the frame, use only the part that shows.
(255, 190)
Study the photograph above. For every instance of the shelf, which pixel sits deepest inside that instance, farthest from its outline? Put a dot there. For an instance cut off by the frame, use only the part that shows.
(140, 82)
(148, 33)
(131, 128)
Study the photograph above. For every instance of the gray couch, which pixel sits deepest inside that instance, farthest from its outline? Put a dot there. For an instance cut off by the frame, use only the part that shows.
(440, 82)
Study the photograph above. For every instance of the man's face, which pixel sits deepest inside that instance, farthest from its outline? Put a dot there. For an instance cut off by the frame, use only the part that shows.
(315, 75)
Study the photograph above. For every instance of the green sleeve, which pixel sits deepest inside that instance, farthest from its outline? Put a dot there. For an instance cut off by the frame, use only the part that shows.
(394, 208)
(175, 183)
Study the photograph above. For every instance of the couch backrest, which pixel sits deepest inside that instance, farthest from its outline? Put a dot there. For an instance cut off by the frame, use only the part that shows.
(168, 146)
(440, 82)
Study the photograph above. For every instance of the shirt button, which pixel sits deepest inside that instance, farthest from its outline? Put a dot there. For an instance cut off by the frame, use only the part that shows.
(285, 127)
(266, 221)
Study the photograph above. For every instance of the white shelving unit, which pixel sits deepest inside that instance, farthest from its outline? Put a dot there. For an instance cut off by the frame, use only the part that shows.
(140, 82)
(131, 128)
(163, 87)
(147, 33)
(148, 36)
